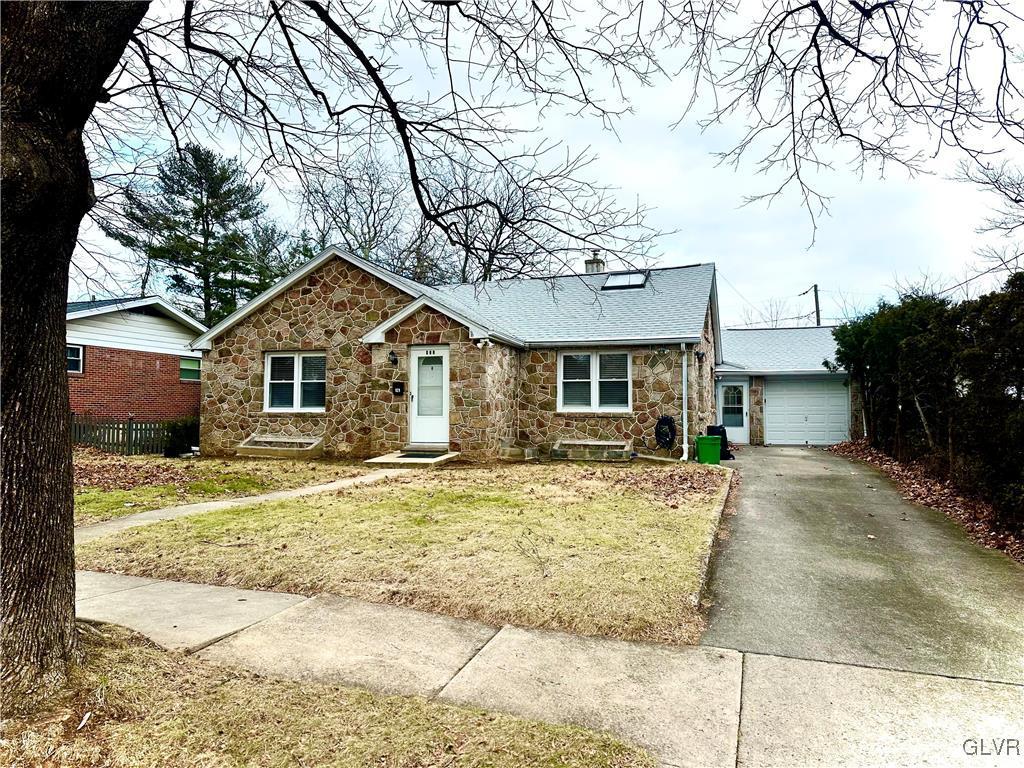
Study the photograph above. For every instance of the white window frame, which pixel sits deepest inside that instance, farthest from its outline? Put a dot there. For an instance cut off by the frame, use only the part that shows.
(595, 382)
(81, 358)
(297, 382)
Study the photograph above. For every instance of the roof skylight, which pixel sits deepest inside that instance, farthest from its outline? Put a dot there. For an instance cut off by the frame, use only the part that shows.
(622, 280)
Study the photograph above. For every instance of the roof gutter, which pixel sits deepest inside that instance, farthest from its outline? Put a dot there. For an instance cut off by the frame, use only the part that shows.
(625, 341)
(724, 373)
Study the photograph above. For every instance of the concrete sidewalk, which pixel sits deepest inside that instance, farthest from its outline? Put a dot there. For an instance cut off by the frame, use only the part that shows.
(95, 531)
(690, 706)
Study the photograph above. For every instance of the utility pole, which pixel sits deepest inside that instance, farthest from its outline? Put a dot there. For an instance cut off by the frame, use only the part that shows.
(817, 306)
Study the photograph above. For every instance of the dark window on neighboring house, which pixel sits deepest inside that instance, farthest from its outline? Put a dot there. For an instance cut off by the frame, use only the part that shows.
(75, 358)
(189, 368)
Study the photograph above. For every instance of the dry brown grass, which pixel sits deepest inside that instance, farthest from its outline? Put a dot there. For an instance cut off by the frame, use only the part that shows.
(610, 550)
(108, 485)
(131, 704)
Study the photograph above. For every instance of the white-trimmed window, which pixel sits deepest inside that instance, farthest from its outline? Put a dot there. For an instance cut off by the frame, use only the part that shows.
(295, 381)
(75, 354)
(595, 381)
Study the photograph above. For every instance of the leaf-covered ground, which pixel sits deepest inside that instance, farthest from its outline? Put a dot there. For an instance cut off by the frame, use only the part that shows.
(604, 550)
(917, 485)
(131, 704)
(108, 485)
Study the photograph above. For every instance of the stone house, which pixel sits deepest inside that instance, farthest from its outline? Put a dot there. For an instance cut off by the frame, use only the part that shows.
(361, 362)
(348, 359)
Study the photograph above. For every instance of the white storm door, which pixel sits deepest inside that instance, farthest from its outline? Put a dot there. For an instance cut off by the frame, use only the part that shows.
(735, 411)
(428, 394)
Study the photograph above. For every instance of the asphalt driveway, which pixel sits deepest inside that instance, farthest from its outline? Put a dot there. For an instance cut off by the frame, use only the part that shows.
(825, 561)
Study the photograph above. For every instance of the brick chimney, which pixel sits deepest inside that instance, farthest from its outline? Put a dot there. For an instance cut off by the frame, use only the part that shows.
(594, 264)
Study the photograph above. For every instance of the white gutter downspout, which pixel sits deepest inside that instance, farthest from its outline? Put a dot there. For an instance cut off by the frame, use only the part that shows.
(686, 406)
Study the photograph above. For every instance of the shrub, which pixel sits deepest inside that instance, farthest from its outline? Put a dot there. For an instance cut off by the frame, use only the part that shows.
(182, 435)
(943, 383)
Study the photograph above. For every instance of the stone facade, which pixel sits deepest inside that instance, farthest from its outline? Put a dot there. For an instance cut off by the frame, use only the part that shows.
(498, 394)
(756, 410)
(329, 311)
(482, 387)
(657, 391)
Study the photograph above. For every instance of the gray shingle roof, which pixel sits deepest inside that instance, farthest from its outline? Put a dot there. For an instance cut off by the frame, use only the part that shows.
(82, 306)
(777, 349)
(573, 308)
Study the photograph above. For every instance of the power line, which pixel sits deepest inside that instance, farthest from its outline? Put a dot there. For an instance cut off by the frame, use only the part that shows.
(737, 291)
(971, 279)
(807, 316)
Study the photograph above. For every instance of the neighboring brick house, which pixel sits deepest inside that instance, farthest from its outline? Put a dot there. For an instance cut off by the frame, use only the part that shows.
(130, 358)
(370, 362)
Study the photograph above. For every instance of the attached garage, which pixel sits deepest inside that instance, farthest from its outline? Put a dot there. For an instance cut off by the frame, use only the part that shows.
(780, 386)
(806, 411)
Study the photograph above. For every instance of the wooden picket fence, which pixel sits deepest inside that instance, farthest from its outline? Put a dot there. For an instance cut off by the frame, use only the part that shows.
(125, 437)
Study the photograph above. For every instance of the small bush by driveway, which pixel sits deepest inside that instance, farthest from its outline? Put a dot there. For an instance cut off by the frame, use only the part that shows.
(605, 550)
(108, 485)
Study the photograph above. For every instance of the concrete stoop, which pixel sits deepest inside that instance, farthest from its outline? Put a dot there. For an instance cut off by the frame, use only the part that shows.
(281, 447)
(409, 460)
(593, 450)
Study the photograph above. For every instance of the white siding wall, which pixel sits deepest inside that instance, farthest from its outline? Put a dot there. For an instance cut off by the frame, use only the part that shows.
(133, 330)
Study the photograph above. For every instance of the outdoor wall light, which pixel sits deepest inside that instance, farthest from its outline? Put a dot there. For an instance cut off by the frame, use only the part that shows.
(393, 357)
(700, 356)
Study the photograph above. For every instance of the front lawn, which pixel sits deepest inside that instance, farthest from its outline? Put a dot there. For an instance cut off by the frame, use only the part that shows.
(131, 704)
(108, 485)
(596, 550)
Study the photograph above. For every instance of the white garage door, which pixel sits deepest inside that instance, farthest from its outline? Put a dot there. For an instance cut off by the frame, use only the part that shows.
(806, 411)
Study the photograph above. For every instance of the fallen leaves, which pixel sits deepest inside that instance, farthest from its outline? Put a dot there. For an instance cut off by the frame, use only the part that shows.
(108, 471)
(916, 485)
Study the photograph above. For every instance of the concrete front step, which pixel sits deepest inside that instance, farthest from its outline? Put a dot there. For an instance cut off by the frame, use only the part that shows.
(403, 459)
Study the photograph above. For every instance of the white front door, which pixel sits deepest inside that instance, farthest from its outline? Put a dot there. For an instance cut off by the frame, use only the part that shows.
(428, 394)
(734, 411)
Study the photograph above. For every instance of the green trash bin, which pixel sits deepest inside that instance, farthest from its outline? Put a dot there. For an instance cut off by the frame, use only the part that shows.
(709, 449)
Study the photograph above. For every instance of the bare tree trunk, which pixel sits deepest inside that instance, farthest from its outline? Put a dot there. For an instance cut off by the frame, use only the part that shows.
(924, 423)
(56, 57)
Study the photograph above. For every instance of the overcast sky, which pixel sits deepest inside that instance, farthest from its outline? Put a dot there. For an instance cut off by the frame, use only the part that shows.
(878, 232)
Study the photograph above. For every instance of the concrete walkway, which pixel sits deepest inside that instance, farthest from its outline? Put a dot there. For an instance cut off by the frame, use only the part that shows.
(690, 706)
(826, 561)
(95, 531)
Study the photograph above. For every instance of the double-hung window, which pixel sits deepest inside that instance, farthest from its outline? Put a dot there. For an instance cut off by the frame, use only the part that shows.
(75, 358)
(594, 381)
(295, 381)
